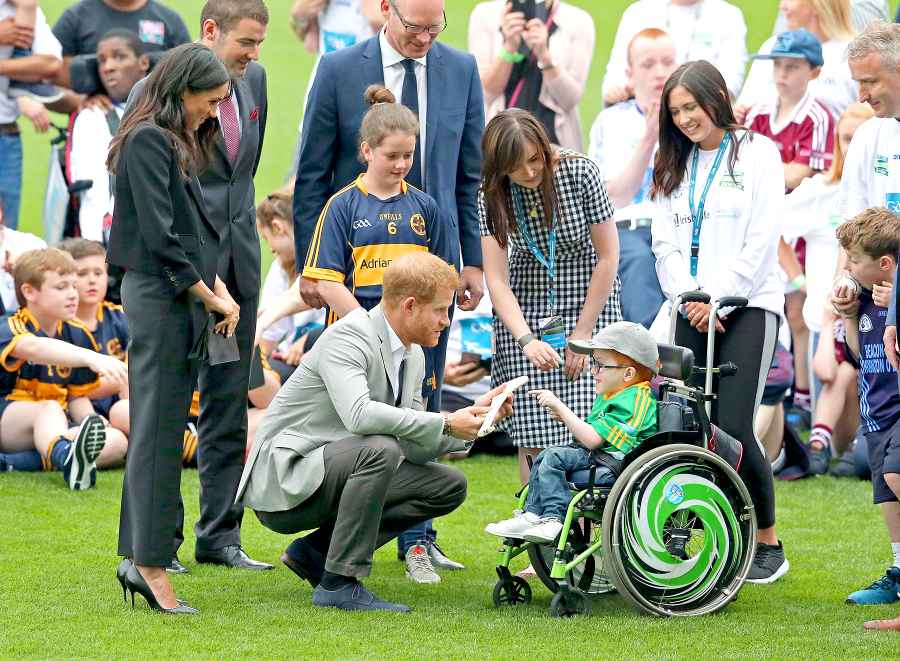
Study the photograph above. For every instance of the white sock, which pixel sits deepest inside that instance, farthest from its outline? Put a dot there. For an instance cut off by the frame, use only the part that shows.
(895, 549)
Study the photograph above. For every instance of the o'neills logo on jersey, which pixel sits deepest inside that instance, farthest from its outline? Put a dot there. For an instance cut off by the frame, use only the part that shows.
(374, 263)
(865, 324)
(881, 165)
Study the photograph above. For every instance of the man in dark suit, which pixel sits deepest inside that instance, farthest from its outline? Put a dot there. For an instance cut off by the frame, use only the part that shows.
(443, 87)
(234, 30)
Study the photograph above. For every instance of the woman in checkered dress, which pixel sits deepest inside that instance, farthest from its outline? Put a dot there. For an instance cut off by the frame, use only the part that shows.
(525, 178)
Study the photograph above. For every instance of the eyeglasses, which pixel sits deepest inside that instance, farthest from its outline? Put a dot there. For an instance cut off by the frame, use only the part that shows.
(596, 367)
(412, 28)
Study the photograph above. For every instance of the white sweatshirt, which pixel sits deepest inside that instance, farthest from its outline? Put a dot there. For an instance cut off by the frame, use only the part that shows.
(740, 231)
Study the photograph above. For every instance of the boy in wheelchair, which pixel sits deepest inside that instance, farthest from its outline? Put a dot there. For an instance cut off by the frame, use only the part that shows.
(624, 357)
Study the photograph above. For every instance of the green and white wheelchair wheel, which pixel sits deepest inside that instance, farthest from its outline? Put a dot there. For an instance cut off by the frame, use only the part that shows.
(679, 532)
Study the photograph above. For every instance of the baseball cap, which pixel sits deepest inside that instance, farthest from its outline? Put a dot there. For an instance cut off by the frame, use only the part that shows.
(626, 338)
(795, 43)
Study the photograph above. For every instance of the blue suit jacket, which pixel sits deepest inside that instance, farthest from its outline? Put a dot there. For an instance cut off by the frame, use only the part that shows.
(454, 124)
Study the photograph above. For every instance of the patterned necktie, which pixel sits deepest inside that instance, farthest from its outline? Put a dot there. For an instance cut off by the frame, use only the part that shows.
(230, 130)
(410, 98)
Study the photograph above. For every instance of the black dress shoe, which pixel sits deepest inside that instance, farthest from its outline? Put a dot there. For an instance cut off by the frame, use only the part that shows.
(176, 567)
(304, 561)
(231, 556)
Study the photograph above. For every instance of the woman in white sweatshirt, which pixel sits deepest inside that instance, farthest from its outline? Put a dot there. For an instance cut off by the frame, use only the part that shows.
(719, 193)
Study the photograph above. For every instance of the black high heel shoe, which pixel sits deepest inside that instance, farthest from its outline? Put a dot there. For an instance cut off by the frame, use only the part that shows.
(134, 582)
(121, 571)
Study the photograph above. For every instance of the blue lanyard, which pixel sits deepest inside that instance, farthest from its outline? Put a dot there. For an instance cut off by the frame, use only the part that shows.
(697, 212)
(549, 261)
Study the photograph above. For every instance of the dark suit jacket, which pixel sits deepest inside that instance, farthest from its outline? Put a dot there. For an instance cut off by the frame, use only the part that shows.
(160, 224)
(228, 189)
(454, 123)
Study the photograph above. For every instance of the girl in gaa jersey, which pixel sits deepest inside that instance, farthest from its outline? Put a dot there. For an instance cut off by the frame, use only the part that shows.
(376, 219)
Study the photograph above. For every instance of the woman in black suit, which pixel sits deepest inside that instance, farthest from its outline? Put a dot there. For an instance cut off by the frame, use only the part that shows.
(163, 239)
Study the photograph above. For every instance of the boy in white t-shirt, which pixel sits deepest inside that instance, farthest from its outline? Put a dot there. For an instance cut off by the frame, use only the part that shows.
(623, 143)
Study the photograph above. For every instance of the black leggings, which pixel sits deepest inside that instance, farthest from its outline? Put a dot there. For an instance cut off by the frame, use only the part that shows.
(748, 342)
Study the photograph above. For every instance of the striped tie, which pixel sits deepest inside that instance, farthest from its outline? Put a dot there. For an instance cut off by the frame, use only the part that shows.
(230, 130)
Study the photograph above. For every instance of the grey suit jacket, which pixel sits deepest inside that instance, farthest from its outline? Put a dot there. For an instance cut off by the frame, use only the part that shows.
(228, 188)
(344, 387)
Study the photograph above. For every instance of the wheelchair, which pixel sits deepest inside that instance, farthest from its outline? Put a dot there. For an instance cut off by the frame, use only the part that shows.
(675, 533)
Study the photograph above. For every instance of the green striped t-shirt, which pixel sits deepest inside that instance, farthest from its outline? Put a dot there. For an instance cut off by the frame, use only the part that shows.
(625, 419)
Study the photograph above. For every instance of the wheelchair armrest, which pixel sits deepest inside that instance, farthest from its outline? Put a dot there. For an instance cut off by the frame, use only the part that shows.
(677, 362)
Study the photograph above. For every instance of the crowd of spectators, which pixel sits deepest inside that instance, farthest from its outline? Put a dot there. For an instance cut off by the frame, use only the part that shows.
(819, 97)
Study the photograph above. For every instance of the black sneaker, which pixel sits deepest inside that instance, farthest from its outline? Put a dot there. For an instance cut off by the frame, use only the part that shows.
(845, 466)
(819, 456)
(769, 564)
(80, 471)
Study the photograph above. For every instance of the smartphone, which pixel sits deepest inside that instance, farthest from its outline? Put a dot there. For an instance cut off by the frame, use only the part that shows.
(527, 7)
(469, 357)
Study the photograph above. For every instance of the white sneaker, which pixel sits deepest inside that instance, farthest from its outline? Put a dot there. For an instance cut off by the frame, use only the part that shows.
(514, 527)
(441, 561)
(544, 532)
(418, 566)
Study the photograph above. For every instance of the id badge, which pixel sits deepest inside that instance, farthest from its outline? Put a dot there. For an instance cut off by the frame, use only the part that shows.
(553, 331)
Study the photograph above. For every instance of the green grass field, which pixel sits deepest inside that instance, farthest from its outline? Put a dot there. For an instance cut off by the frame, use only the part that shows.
(59, 597)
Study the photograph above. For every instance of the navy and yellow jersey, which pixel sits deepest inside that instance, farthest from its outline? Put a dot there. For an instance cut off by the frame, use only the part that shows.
(28, 382)
(358, 236)
(112, 332)
(112, 335)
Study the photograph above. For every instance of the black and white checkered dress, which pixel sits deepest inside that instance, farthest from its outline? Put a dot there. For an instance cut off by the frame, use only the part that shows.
(582, 201)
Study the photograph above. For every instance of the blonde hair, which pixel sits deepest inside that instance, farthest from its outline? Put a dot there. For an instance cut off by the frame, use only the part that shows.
(854, 111)
(835, 18)
(32, 266)
(874, 231)
(385, 116)
(420, 275)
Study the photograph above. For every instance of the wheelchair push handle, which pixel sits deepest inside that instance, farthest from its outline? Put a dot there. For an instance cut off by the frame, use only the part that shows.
(727, 369)
(684, 297)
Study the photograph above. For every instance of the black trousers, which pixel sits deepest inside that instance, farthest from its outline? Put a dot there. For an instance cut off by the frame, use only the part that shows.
(748, 342)
(368, 497)
(160, 384)
(222, 439)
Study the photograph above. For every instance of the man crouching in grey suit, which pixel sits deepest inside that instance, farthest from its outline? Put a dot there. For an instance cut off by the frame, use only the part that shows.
(347, 448)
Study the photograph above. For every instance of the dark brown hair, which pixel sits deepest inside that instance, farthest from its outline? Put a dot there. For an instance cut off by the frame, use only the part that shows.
(189, 67)
(705, 83)
(228, 13)
(503, 144)
(385, 116)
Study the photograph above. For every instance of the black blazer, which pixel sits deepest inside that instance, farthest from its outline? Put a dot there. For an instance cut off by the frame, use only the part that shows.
(228, 189)
(160, 225)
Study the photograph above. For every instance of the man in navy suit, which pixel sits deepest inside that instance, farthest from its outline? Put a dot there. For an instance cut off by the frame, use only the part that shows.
(445, 90)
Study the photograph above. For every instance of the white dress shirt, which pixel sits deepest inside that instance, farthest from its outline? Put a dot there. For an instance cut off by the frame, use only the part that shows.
(394, 73)
(87, 162)
(398, 353)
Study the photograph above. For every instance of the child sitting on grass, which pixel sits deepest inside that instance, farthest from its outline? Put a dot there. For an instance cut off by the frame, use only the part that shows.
(50, 363)
(624, 357)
